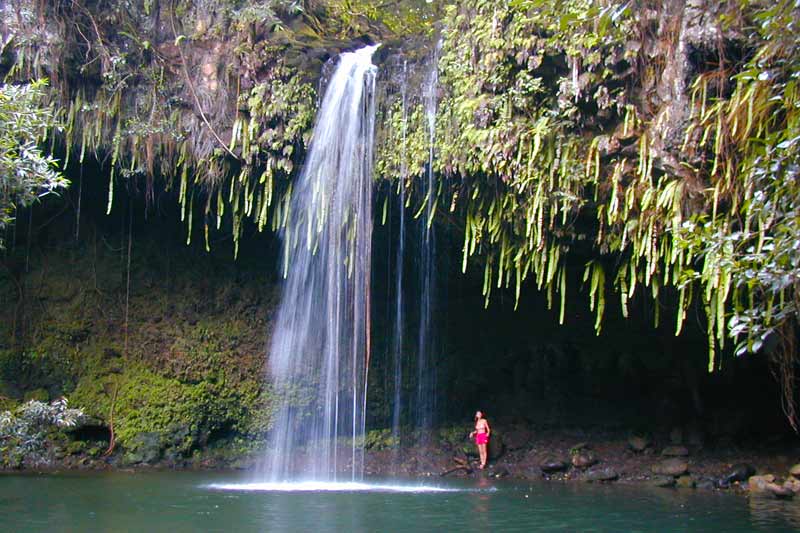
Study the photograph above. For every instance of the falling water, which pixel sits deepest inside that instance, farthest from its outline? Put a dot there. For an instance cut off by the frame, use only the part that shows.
(397, 348)
(426, 373)
(319, 354)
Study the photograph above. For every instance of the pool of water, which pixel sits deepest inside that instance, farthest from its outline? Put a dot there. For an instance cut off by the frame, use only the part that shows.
(203, 501)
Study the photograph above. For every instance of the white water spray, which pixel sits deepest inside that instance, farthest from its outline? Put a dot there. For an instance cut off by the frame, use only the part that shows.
(319, 355)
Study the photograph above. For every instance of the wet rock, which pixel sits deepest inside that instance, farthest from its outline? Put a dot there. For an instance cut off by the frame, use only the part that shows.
(670, 467)
(500, 472)
(795, 470)
(584, 459)
(580, 446)
(675, 451)
(792, 484)
(779, 491)
(145, 448)
(663, 481)
(638, 443)
(552, 465)
(760, 483)
(685, 482)
(601, 474)
(738, 472)
(706, 484)
(496, 446)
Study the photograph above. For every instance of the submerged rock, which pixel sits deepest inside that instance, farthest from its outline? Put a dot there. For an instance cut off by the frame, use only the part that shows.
(670, 467)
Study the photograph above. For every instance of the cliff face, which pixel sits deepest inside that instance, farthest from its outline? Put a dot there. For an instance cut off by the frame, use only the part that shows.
(585, 150)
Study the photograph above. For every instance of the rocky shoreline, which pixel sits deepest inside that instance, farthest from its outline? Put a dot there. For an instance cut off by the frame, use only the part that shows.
(679, 460)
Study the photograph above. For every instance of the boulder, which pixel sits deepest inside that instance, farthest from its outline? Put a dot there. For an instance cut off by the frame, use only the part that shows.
(779, 491)
(675, 451)
(552, 465)
(600, 474)
(663, 481)
(706, 484)
(792, 484)
(584, 459)
(674, 466)
(795, 470)
(638, 443)
(738, 472)
(685, 482)
(759, 483)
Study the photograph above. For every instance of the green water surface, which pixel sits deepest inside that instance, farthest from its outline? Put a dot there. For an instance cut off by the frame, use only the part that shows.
(187, 501)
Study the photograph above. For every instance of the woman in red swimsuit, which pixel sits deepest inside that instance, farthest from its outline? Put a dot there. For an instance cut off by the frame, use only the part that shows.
(481, 434)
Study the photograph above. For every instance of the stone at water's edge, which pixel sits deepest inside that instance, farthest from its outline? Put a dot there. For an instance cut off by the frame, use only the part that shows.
(739, 472)
(601, 474)
(760, 483)
(663, 481)
(670, 467)
(552, 465)
(584, 459)
(685, 482)
(675, 451)
(792, 484)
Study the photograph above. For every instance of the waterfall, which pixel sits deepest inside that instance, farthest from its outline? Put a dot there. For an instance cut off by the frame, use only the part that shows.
(319, 354)
(426, 372)
(397, 334)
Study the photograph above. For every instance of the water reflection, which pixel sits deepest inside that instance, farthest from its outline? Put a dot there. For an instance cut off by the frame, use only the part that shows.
(767, 512)
(177, 502)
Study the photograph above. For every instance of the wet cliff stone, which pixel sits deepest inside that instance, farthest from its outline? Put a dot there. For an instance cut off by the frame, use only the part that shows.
(674, 466)
(145, 448)
(638, 443)
(496, 446)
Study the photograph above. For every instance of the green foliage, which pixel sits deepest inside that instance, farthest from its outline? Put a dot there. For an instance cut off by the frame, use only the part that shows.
(26, 173)
(23, 431)
(544, 132)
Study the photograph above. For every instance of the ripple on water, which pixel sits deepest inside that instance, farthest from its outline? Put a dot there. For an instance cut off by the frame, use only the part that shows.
(323, 486)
